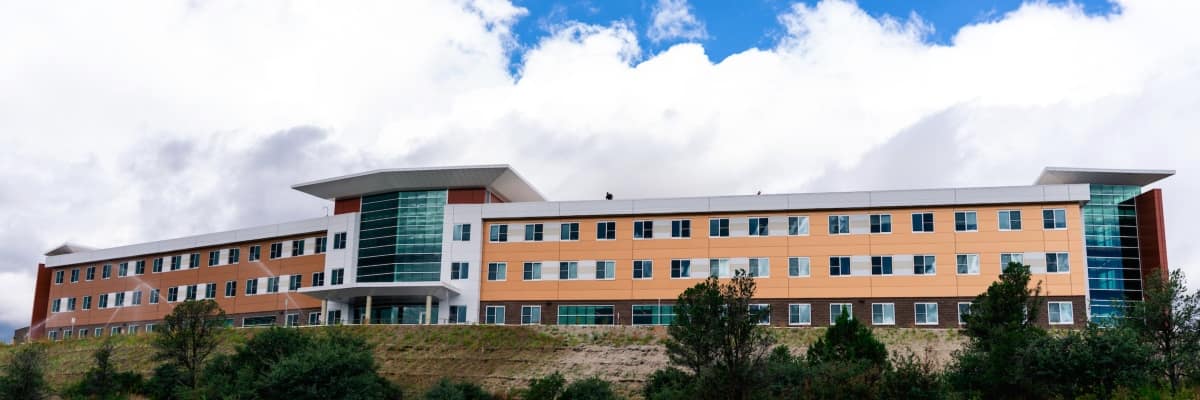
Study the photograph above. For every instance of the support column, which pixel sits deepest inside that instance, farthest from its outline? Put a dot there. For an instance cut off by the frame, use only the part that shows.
(428, 308)
(367, 314)
(324, 311)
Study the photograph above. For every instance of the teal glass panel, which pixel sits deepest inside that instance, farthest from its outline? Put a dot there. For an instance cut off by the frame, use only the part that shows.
(1113, 264)
(400, 237)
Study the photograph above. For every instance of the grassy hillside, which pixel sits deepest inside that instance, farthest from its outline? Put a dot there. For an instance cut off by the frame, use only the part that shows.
(499, 357)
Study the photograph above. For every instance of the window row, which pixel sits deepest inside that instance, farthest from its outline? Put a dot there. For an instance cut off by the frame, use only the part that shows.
(53, 335)
(215, 258)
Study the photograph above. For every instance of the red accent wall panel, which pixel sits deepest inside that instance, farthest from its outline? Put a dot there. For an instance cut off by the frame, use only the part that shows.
(1152, 233)
(495, 198)
(347, 205)
(466, 196)
(41, 303)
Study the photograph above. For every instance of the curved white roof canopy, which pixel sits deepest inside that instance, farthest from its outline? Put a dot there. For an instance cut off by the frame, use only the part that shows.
(499, 179)
(1128, 177)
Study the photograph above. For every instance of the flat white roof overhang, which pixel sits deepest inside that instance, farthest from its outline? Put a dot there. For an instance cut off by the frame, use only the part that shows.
(1126, 177)
(499, 179)
(343, 293)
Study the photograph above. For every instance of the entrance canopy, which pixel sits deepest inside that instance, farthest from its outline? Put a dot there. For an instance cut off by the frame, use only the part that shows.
(344, 293)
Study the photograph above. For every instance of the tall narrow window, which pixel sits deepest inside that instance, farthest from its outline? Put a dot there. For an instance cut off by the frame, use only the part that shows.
(798, 267)
(234, 255)
(193, 260)
(337, 276)
(968, 264)
(924, 265)
(497, 271)
(569, 231)
(339, 240)
(294, 282)
(276, 250)
(191, 293)
(758, 226)
(964, 309)
(533, 232)
(881, 265)
(531, 271)
(797, 226)
(319, 245)
(90, 274)
(643, 229)
(137, 298)
(273, 284)
(87, 302)
(965, 221)
(1054, 219)
(75, 275)
(839, 266)
(922, 222)
(606, 230)
(498, 233)
(214, 258)
(839, 224)
(58, 277)
(681, 228)
(881, 223)
(255, 253)
(643, 269)
(123, 269)
(1010, 220)
(106, 271)
(718, 227)
(297, 248)
(153, 296)
(139, 267)
(230, 288)
(681, 268)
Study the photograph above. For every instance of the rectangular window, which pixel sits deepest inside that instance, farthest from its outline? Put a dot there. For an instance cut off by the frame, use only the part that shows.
(234, 255)
(839, 266)
(54, 334)
(339, 240)
(276, 250)
(837, 309)
(965, 221)
(760, 267)
(799, 314)
(99, 332)
(531, 315)
(586, 315)
(968, 264)
(493, 315)
(763, 311)
(606, 230)
(606, 269)
(90, 274)
(922, 222)
(176, 263)
(214, 258)
(1054, 219)
(154, 296)
(210, 290)
(839, 224)
(758, 226)
(653, 314)
(337, 276)
(255, 253)
(568, 270)
(137, 298)
(157, 265)
(927, 313)
(58, 277)
(191, 292)
(462, 232)
(314, 318)
(718, 227)
(881, 265)
(1010, 220)
(139, 267)
(294, 282)
(106, 271)
(123, 269)
(102, 301)
(964, 309)
(883, 314)
(568, 231)
(1057, 263)
(681, 268)
(320, 244)
(258, 321)
(297, 248)
(797, 226)
(718, 267)
(194, 260)
(1009, 258)
(643, 229)
(273, 284)
(798, 267)
(531, 271)
(1061, 313)
(881, 223)
(643, 269)
(71, 304)
(458, 315)
(230, 288)
(924, 265)
(318, 279)
(681, 228)
(533, 232)
(498, 233)
(291, 320)
(75, 275)
(172, 295)
(87, 302)
(251, 287)
(497, 271)
(459, 270)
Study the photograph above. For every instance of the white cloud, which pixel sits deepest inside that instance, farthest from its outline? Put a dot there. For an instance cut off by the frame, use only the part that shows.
(673, 20)
(126, 125)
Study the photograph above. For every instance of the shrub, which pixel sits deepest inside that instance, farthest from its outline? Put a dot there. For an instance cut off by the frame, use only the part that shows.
(669, 384)
(104, 381)
(911, 377)
(589, 389)
(548, 387)
(24, 376)
(447, 390)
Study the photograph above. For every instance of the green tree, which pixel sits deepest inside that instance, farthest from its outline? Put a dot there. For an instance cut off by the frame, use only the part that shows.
(1168, 318)
(1007, 306)
(669, 384)
(445, 389)
(589, 389)
(716, 335)
(911, 377)
(549, 387)
(188, 336)
(24, 376)
(847, 362)
(1094, 362)
(848, 340)
(104, 381)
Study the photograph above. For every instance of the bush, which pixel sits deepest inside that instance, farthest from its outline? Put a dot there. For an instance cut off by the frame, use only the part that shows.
(669, 384)
(548, 387)
(848, 340)
(913, 378)
(104, 381)
(24, 376)
(447, 390)
(168, 382)
(589, 389)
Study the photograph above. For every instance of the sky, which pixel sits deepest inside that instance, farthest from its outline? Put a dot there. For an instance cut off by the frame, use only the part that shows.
(124, 124)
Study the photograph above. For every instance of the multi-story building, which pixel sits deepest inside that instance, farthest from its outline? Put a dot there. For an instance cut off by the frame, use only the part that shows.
(481, 245)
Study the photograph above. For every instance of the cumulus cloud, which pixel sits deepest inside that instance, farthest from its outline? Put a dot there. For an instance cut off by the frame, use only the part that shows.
(127, 125)
(674, 20)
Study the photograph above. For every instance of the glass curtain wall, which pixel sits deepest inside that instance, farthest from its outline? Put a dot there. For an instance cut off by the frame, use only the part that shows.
(400, 237)
(1110, 234)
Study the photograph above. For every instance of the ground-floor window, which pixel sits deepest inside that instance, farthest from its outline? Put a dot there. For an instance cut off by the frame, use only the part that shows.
(883, 314)
(258, 321)
(763, 311)
(149, 328)
(116, 330)
(458, 315)
(963, 310)
(837, 309)
(531, 315)
(1061, 312)
(586, 315)
(653, 314)
(493, 315)
(292, 320)
(927, 313)
(53, 335)
(314, 318)
(333, 317)
(799, 314)
(99, 332)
